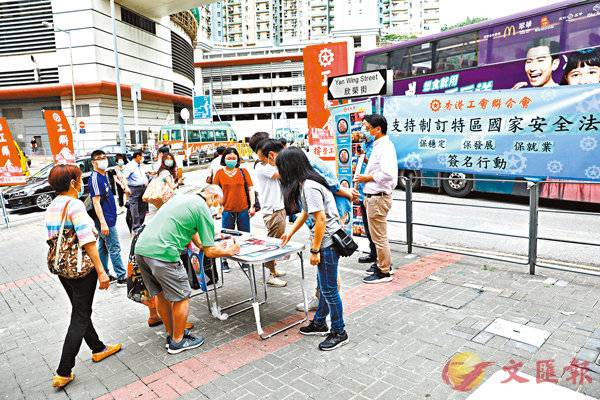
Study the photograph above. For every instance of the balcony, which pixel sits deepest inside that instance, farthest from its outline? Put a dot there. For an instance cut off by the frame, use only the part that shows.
(187, 22)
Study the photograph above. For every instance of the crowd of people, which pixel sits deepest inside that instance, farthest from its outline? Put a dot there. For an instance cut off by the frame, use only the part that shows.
(289, 182)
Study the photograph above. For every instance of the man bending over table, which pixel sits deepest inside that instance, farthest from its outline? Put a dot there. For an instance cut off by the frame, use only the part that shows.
(183, 218)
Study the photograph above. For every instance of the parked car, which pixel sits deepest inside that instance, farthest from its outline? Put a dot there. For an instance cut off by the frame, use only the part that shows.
(116, 149)
(37, 193)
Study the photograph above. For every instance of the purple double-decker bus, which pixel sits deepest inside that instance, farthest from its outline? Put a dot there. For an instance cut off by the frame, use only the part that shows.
(549, 46)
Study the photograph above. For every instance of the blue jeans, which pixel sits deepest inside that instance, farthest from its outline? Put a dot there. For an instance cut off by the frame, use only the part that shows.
(236, 220)
(330, 301)
(109, 245)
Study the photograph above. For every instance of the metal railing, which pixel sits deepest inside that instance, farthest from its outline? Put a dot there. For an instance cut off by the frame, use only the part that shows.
(533, 238)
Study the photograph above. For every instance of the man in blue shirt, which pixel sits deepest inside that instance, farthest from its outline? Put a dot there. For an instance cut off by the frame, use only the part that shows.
(106, 213)
(137, 182)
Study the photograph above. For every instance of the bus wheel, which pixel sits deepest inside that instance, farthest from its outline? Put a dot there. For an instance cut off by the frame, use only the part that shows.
(412, 175)
(457, 185)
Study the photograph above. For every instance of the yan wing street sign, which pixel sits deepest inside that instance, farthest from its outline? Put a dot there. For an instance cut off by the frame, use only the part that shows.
(364, 84)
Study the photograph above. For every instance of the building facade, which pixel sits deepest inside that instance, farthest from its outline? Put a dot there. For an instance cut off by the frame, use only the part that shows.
(255, 89)
(155, 52)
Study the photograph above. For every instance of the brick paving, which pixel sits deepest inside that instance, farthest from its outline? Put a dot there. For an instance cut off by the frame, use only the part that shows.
(401, 333)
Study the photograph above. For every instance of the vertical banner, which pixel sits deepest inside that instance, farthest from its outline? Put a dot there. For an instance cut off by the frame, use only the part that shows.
(11, 173)
(60, 137)
(320, 62)
(350, 152)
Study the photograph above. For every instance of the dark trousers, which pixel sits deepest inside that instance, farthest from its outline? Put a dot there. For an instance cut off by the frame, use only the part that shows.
(81, 295)
(137, 206)
(363, 211)
(121, 194)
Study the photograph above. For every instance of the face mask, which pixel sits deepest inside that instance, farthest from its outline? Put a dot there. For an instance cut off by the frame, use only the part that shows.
(102, 164)
(368, 137)
(231, 163)
(121, 163)
(80, 192)
(168, 163)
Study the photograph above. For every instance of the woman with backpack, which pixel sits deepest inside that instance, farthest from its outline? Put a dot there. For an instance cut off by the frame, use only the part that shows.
(300, 183)
(69, 226)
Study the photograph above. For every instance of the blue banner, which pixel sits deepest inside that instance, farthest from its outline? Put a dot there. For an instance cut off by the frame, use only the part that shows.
(202, 107)
(538, 132)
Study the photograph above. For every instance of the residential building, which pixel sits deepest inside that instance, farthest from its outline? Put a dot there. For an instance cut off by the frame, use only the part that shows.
(155, 51)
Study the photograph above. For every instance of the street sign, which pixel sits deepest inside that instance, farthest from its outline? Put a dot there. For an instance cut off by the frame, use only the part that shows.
(185, 114)
(364, 84)
(81, 124)
(202, 107)
(82, 130)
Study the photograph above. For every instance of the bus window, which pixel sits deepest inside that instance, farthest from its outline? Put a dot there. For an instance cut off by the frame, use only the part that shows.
(164, 135)
(414, 61)
(232, 135)
(400, 64)
(176, 134)
(376, 61)
(583, 30)
(207, 136)
(193, 136)
(220, 135)
(457, 52)
(420, 57)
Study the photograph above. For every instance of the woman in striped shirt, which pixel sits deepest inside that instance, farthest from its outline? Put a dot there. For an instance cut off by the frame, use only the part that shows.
(66, 181)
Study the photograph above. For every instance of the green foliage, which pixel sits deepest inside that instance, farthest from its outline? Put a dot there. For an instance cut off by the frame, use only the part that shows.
(393, 37)
(466, 22)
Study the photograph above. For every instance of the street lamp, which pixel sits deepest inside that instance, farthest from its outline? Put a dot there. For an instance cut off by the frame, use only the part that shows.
(50, 25)
(120, 118)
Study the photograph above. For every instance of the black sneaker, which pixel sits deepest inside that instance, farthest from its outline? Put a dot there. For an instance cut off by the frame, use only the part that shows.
(367, 259)
(225, 267)
(112, 278)
(333, 341)
(378, 277)
(313, 329)
(187, 343)
(121, 282)
(186, 332)
(371, 269)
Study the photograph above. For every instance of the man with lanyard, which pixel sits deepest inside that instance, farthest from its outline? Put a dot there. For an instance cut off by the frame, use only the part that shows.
(106, 213)
(137, 182)
(380, 179)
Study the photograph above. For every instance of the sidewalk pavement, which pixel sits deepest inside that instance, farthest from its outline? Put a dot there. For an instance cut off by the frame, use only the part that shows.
(402, 334)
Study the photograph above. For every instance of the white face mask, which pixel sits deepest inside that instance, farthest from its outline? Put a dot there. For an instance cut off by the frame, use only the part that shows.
(102, 164)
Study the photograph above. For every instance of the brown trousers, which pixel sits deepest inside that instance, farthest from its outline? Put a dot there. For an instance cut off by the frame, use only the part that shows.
(378, 208)
(275, 224)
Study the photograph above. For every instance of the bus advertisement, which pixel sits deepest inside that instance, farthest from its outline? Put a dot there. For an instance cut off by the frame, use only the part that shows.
(544, 48)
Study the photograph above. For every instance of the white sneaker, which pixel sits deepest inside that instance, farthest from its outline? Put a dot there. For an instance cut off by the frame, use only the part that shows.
(312, 305)
(274, 281)
(279, 273)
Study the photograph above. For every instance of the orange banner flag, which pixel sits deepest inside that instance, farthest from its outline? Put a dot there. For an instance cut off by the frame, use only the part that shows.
(60, 137)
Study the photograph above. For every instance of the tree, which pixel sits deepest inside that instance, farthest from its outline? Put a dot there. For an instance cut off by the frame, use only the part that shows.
(394, 37)
(466, 22)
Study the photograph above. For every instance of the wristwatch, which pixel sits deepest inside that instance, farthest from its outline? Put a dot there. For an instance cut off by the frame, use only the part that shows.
(313, 251)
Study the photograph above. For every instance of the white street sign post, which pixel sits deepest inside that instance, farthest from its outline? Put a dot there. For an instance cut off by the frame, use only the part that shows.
(364, 84)
(136, 95)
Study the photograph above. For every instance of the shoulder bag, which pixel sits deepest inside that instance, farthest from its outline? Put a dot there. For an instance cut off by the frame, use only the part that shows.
(247, 190)
(65, 257)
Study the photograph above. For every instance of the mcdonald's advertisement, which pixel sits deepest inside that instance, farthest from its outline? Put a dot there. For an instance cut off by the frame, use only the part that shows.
(521, 54)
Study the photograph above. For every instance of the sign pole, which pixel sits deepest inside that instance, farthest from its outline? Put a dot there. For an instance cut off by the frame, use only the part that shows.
(4, 212)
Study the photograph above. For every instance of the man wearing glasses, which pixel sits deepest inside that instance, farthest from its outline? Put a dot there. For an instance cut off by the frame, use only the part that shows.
(106, 213)
(380, 179)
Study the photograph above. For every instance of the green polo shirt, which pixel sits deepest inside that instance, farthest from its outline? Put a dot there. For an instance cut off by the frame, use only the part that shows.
(172, 228)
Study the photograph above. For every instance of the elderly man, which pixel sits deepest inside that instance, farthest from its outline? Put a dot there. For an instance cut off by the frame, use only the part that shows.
(183, 218)
(137, 182)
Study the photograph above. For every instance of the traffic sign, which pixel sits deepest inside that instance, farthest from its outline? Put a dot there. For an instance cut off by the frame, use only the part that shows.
(364, 84)
(202, 107)
(81, 124)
